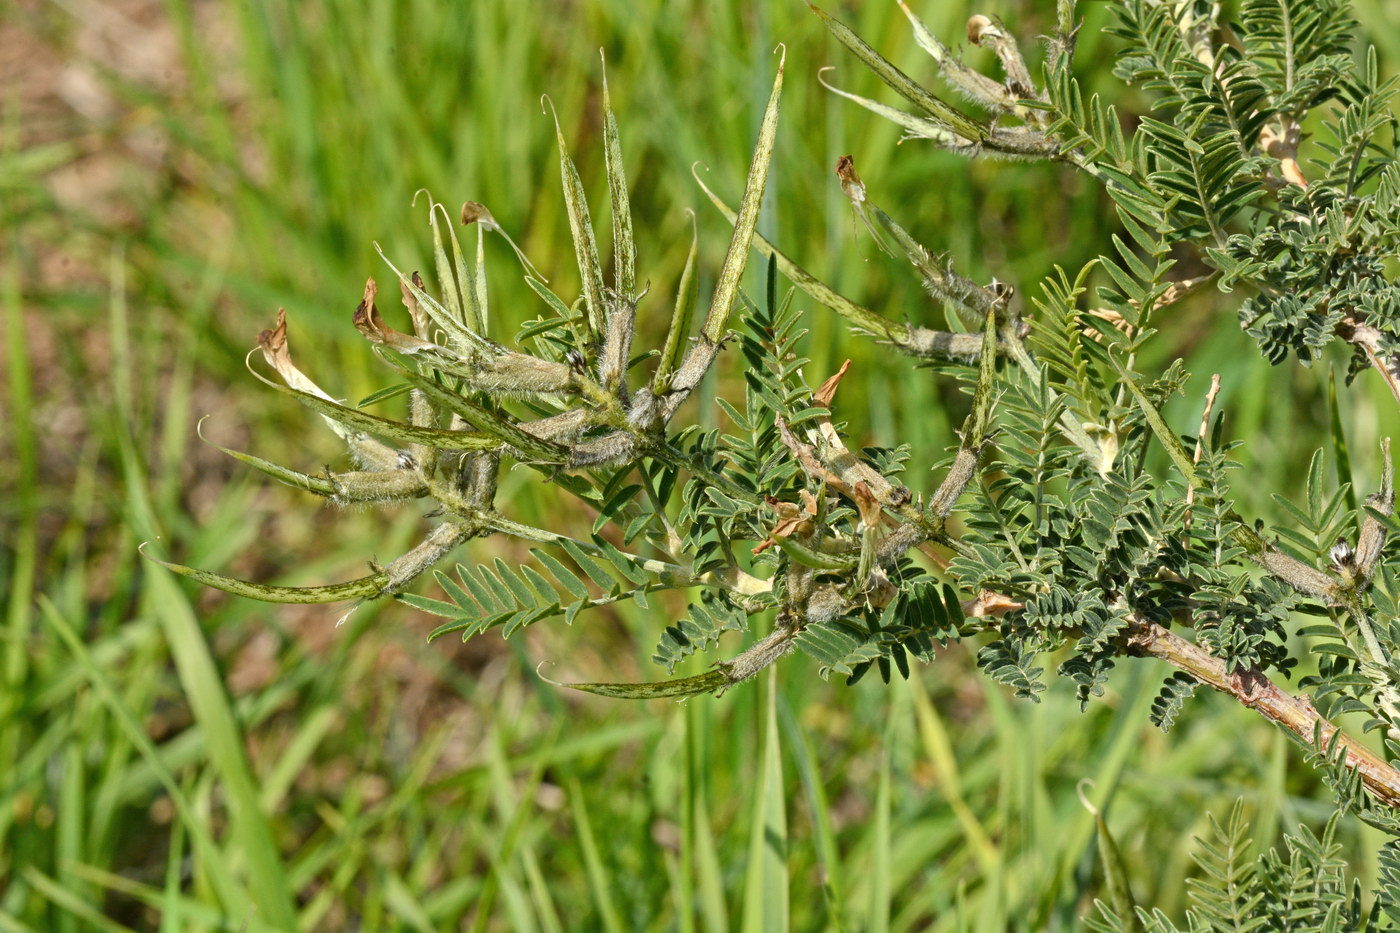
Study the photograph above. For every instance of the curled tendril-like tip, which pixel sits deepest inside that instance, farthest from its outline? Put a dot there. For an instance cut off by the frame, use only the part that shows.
(1084, 798)
(141, 549)
(979, 26)
(541, 676)
(546, 99)
(821, 79)
(199, 429)
(781, 50)
(248, 365)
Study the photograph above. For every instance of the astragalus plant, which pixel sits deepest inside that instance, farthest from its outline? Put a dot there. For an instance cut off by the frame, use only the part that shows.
(1268, 159)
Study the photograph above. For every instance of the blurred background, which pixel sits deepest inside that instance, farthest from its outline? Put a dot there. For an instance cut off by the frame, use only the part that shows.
(174, 758)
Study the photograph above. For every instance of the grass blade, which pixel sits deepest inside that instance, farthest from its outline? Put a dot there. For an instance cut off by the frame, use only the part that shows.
(203, 686)
(766, 881)
(598, 881)
(698, 849)
(809, 771)
(211, 859)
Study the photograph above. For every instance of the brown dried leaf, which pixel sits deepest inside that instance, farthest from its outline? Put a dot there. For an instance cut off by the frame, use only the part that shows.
(422, 324)
(867, 504)
(828, 389)
(850, 181)
(793, 520)
(992, 604)
(369, 323)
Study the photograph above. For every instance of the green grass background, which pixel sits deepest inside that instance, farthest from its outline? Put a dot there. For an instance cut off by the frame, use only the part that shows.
(175, 759)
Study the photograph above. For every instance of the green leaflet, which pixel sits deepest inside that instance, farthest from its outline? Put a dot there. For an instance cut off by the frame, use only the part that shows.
(364, 587)
(704, 623)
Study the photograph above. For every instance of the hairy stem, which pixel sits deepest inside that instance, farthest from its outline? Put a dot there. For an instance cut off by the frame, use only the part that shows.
(1252, 689)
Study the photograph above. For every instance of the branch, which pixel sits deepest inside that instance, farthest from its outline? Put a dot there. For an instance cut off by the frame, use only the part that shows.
(1252, 689)
(1368, 339)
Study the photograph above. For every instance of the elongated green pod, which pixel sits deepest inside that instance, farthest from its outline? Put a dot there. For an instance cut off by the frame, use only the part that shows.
(916, 341)
(737, 256)
(452, 280)
(581, 232)
(317, 484)
(1115, 871)
(914, 125)
(708, 682)
(462, 337)
(490, 422)
(624, 245)
(364, 587)
(920, 97)
(396, 430)
(687, 294)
